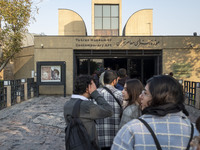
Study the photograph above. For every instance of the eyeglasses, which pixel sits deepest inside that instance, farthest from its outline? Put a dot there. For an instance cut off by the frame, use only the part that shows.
(144, 93)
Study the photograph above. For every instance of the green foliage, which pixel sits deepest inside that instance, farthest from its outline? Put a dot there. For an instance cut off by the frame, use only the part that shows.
(182, 70)
(15, 16)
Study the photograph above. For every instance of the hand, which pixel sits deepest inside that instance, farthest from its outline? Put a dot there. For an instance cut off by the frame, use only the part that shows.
(92, 87)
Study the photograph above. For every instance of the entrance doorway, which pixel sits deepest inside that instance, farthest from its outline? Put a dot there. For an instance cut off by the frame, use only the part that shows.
(142, 66)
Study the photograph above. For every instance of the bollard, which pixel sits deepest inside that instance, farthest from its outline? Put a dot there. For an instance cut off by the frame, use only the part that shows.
(197, 103)
(18, 99)
(32, 93)
(25, 91)
(8, 95)
(18, 96)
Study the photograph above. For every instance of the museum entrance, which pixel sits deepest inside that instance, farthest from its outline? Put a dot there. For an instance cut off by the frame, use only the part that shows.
(139, 66)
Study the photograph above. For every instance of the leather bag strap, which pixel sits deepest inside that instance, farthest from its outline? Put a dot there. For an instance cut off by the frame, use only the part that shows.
(117, 100)
(191, 136)
(152, 133)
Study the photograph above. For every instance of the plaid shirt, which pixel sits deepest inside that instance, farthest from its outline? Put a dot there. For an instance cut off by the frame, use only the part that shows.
(108, 127)
(172, 131)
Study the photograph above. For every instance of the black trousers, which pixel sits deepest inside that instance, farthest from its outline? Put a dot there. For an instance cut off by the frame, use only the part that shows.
(105, 148)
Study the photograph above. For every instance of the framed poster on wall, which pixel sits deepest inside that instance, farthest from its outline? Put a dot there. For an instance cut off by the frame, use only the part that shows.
(51, 73)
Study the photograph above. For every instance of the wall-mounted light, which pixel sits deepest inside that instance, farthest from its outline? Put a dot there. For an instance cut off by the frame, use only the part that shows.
(42, 46)
(6, 83)
(180, 81)
(32, 74)
(23, 80)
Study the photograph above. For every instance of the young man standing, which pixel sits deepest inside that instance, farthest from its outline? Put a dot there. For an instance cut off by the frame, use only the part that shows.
(108, 127)
(122, 79)
(85, 89)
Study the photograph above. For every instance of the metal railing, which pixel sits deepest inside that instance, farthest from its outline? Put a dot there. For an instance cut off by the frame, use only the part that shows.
(30, 83)
(3, 96)
(22, 92)
(17, 91)
(190, 92)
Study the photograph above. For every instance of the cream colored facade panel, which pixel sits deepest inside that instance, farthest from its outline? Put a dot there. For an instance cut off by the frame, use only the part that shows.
(184, 63)
(70, 23)
(24, 63)
(57, 55)
(140, 23)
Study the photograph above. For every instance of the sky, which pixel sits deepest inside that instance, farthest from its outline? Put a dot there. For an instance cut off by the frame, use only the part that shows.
(170, 17)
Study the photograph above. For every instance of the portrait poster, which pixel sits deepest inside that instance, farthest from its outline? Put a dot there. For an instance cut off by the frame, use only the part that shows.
(50, 73)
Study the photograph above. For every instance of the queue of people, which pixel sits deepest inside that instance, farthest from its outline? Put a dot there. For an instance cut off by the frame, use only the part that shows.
(135, 116)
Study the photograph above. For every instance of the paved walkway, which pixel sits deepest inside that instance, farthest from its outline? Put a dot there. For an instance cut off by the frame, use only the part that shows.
(38, 124)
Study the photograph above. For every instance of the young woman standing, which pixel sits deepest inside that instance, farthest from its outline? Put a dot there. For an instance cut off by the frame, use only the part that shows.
(132, 90)
(162, 103)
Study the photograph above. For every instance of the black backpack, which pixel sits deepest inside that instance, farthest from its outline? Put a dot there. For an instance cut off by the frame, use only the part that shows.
(76, 135)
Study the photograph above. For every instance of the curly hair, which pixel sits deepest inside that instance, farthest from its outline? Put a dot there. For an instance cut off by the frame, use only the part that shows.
(81, 84)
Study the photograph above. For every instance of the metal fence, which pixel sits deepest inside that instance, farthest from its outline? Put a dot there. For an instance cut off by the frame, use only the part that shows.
(190, 92)
(3, 96)
(15, 84)
(30, 81)
(17, 90)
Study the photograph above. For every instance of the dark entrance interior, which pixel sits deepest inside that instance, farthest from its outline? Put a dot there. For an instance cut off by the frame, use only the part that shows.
(140, 64)
(140, 68)
(115, 64)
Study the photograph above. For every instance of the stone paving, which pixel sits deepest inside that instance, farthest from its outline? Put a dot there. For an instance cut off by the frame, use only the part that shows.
(33, 125)
(38, 124)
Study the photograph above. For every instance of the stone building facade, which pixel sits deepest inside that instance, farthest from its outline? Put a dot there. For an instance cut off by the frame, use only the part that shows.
(132, 47)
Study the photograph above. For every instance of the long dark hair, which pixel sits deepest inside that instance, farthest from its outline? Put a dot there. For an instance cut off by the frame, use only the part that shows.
(134, 88)
(165, 89)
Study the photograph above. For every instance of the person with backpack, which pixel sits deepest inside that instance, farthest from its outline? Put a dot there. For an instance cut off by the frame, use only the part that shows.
(88, 111)
(164, 124)
(108, 127)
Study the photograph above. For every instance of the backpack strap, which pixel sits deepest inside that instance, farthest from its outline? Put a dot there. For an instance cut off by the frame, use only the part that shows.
(117, 100)
(155, 138)
(191, 136)
(76, 109)
(152, 133)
